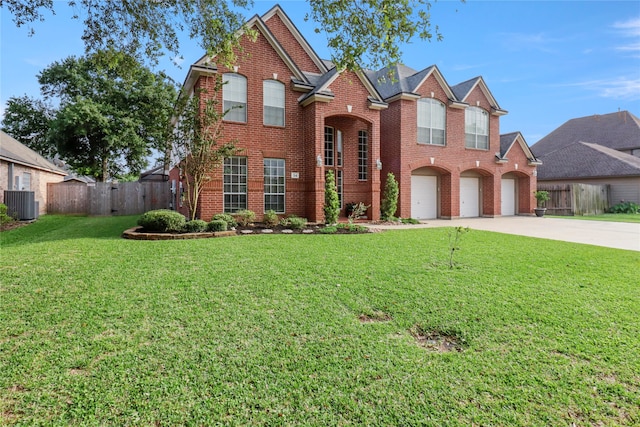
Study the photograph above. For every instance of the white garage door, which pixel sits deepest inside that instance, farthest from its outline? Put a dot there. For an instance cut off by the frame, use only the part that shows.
(469, 197)
(424, 197)
(508, 194)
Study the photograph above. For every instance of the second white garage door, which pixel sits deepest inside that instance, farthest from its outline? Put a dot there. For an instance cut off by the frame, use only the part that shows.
(469, 197)
(424, 197)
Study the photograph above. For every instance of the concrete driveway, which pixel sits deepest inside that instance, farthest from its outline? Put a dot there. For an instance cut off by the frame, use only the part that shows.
(620, 235)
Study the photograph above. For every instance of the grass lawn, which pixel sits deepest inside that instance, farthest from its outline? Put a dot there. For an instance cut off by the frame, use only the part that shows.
(604, 217)
(268, 330)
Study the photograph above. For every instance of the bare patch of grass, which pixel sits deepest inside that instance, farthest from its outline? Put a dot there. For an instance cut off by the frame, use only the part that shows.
(435, 340)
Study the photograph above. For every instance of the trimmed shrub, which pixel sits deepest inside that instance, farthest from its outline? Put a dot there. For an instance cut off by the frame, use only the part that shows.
(162, 221)
(217, 225)
(5, 218)
(229, 219)
(331, 229)
(331, 201)
(245, 217)
(195, 226)
(271, 218)
(294, 222)
(389, 203)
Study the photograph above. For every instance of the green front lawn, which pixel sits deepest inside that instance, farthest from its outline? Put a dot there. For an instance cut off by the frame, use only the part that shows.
(269, 330)
(604, 217)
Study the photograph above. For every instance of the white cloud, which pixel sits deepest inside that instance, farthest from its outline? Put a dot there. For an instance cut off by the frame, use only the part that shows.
(629, 29)
(622, 88)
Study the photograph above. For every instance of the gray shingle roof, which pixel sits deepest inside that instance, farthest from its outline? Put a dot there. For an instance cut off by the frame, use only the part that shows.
(587, 160)
(506, 141)
(462, 89)
(11, 150)
(618, 131)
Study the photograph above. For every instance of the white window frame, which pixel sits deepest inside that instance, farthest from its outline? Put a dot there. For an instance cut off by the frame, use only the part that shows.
(363, 155)
(274, 184)
(476, 128)
(235, 177)
(329, 145)
(432, 122)
(234, 97)
(273, 110)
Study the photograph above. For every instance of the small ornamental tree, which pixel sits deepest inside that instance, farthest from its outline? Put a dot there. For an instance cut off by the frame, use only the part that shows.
(196, 141)
(390, 198)
(331, 201)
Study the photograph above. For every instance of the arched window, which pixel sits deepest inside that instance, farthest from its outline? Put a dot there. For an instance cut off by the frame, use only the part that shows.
(234, 97)
(476, 128)
(273, 100)
(431, 121)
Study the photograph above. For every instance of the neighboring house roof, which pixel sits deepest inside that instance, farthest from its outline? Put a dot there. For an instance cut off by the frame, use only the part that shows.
(508, 140)
(12, 151)
(618, 131)
(587, 160)
(158, 173)
(80, 178)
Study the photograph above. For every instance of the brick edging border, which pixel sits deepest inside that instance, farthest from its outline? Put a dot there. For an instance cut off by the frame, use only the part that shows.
(133, 234)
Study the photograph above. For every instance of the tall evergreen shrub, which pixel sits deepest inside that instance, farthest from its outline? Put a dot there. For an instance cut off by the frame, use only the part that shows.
(389, 203)
(331, 202)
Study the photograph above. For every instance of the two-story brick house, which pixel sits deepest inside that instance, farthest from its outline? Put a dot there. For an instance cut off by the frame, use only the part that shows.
(298, 117)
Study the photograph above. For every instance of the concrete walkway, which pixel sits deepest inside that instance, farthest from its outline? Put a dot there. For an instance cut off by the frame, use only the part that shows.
(620, 235)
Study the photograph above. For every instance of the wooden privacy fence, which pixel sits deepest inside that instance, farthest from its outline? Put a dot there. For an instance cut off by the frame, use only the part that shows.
(576, 199)
(125, 198)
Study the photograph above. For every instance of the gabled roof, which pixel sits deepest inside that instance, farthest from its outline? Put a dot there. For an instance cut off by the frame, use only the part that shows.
(462, 91)
(12, 151)
(400, 80)
(587, 160)
(322, 65)
(508, 140)
(205, 64)
(618, 131)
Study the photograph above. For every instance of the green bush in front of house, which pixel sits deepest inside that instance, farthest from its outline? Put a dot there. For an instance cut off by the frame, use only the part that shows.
(217, 225)
(5, 218)
(245, 217)
(271, 218)
(195, 226)
(162, 221)
(625, 208)
(293, 222)
(229, 219)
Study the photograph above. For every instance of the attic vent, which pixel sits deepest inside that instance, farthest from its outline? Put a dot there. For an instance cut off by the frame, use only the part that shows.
(21, 204)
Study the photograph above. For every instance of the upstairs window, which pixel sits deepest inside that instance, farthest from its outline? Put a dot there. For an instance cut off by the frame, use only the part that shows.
(431, 121)
(476, 128)
(234, 97)
(273, 100)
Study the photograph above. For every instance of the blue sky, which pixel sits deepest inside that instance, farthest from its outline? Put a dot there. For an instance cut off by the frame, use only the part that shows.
(545, 61)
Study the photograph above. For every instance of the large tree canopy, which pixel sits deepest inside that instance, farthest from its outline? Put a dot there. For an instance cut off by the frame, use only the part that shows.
(360, 32)
(111, 115)
(28, 120)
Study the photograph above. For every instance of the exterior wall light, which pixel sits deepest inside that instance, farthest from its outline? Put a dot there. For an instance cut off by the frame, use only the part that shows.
(378, 164)
(319, 161)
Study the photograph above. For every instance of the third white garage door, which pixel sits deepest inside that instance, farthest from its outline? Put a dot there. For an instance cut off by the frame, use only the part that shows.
(424, 197)
(469, 197)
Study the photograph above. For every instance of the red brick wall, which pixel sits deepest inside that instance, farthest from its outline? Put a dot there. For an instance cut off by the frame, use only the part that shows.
(392, 139)
(402, 154)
